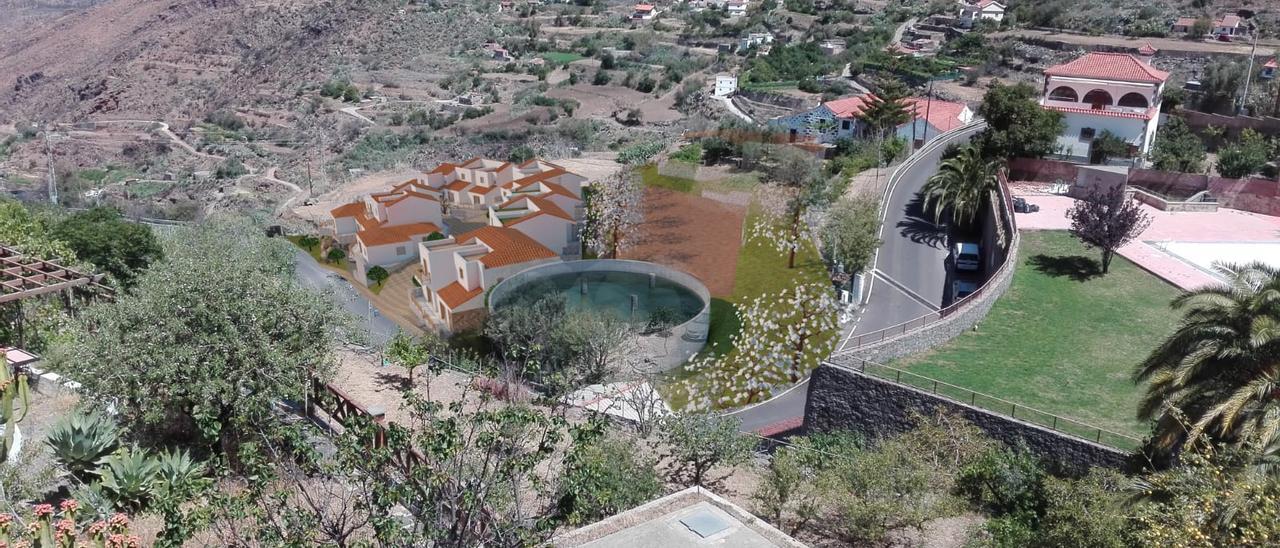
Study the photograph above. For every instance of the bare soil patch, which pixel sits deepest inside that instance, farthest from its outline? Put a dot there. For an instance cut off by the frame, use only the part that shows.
(697, 235)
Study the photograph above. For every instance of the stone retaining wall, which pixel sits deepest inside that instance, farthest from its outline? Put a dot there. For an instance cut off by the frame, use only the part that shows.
(841, 398)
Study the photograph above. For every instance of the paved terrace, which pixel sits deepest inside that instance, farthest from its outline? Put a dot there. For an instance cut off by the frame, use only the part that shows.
(1225, 226)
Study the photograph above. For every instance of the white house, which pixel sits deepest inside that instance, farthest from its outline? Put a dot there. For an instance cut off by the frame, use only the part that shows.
(931, 117)
(1114, 92)
(1268, 70)
(383, 228)
(1230, 25)
(455, 273)
(827, 122)
(754, 39)
(972, 12)
(538, 198)
(736, 8)
(644, 12)
(726, 85)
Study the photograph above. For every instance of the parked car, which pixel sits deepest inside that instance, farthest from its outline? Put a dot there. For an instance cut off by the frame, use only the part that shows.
(1224, 37)
(961, 289)
(966, 256)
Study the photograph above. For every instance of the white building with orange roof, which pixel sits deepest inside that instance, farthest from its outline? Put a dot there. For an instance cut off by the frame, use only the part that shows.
(455, 273)
(1268, 69)
(644, 12)
(383, 228)
(932, 117)
(1113, 92)
(827, 122)
(972, 12)
(538, 198)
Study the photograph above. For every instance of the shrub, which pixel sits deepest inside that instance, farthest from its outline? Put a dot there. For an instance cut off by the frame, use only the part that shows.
(226, 119)
(230, 169)
(639, 153)
(377, 274)
(435, 236)
(1244, 157)
(128, 478)
(691, 153)
(1003, 482)
(80, 440)
(601, 78)
(335, 255)
(604, 476)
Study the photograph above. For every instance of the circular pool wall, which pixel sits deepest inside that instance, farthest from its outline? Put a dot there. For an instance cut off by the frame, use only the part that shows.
(633, 291)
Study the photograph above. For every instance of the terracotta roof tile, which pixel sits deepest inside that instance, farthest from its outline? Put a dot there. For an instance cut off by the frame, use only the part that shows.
(444, 168)
(454, 295)
(352, 209)
(1185, 22)
(509, 246)
(1147, 49)
(408, 193)
(1109, 66)
(383, 235)
(943, 115)
(849, 107)
(457, 186)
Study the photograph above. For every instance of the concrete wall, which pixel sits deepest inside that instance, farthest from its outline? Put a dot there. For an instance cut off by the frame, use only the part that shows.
(1045, 171)
(685, 340)
(940, 331)
(841, 398)
(1199, 121)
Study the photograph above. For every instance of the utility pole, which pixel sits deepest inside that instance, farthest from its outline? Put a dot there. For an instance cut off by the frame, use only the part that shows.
(1248, 75)
(48, 154)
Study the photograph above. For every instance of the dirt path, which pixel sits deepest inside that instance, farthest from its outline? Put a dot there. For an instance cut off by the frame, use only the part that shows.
(1171, 44)
(692, 234)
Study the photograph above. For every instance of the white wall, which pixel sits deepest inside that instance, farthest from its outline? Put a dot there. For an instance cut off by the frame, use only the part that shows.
(1129, 129)
(414, 210)
(345, 225)
(547, 230)
(807, 124)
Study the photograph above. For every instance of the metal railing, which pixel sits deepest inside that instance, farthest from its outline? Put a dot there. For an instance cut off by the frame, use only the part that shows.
(914, 324)
(999, 406)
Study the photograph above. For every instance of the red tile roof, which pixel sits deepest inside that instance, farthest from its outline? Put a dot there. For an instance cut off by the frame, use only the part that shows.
(1149, 114)
(1185, 22)
(409, 193)
(352, 209)
(457, 186)
(1109, 66)
(644, 7)
(1228, 21)
(943, 115)
(1147, 49)
(849, 107)
(383, 235)
(444, 168)
(509, 246)
(1270, 63)
(454, 295)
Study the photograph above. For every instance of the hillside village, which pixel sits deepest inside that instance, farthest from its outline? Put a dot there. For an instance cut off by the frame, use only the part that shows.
(741, 272)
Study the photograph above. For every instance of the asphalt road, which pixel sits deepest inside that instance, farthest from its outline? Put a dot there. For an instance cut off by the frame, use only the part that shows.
(369, 320)
(910, 279)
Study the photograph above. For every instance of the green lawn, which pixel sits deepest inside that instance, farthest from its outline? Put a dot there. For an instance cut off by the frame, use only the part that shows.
(315, 254)
(761, 270)
(1062, 340)
(561, 57)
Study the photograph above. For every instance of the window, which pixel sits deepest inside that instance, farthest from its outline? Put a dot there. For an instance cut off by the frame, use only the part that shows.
(400, 251)
(459, 273)
(1064, 93)
(573, 232)
(1086, 134)
(475, 200)
(1133, 99)
(1098, 98)
(844, 125)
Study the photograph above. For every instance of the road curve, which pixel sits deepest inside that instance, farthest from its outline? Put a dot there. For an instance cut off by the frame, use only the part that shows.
(909, 280)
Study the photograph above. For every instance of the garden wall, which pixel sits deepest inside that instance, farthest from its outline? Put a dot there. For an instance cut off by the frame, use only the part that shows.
(841, 398)
(1045, 171)
(1200, 121)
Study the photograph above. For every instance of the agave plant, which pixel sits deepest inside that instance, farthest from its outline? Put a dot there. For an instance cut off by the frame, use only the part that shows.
(129, 478)
(15, 400)
(79, 441)
(178, 475)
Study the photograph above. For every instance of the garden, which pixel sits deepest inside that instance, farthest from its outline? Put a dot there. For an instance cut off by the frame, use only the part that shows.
(1063, 339)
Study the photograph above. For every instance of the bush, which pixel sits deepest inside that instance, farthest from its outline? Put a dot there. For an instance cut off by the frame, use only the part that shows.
(691, 153)
(1003, 482)
(80, 440)
(639, 153)
(335, 255)
(377, 275)
(226, 119)
(604, 476)
(601, 78)
(1244, 157)
(230, 169)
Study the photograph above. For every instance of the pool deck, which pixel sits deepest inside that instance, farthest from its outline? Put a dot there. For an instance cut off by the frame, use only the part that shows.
(1222, 226)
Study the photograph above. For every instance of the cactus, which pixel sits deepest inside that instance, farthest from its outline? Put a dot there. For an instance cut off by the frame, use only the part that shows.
(15, 400)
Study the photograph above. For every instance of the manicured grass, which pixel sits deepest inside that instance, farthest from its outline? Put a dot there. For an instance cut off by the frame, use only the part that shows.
(1062, 340)
(315, 254)
(651, 178)
(561, 57)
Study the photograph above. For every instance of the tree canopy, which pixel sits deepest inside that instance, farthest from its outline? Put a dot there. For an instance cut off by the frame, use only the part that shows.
(209, 340)
(1017, 126)
(111, 243)
(1177, 148)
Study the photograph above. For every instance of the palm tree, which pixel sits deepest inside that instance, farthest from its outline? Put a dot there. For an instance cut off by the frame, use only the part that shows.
(963, 183)
(1218, 375)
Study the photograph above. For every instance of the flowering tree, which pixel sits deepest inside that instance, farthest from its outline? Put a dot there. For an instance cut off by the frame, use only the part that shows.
(1107, 220)
(782, 338)
(58, 529)
(615, 209)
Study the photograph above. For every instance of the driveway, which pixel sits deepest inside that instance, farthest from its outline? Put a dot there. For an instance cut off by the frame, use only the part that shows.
(910, 278)
(310, 274)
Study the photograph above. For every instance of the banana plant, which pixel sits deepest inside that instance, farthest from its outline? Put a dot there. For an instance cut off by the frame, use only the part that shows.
(15, 400)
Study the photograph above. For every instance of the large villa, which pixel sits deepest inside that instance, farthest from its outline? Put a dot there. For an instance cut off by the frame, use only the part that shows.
(531, 213)
(1113, 92)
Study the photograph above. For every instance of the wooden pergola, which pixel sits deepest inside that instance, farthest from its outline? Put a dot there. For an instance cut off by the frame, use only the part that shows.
(23, 276)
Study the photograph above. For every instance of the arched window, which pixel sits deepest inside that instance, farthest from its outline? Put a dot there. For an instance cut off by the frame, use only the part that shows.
(1133, 99)
(1064, 93)
(1098, 97)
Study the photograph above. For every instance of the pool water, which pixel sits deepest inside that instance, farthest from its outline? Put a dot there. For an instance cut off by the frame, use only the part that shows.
(612, 292)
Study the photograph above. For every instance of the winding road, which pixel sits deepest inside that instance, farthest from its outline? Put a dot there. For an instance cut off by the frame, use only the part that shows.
(910, 276)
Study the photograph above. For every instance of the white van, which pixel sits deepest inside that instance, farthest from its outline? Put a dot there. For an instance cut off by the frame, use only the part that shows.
(966, 256)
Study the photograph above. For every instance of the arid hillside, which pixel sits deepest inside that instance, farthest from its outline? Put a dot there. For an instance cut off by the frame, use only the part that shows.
(157, 59)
